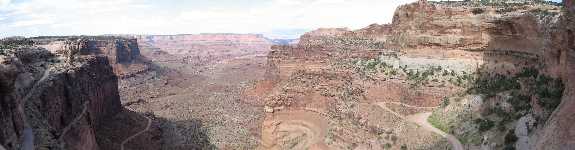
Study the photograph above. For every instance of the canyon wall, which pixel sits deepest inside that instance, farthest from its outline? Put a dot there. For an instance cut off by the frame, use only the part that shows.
(58, 92)
(559, 132)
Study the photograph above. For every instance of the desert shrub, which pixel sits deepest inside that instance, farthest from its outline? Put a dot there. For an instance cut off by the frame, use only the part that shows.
(484, 124)
(477, 11)
(393, 72)
(445, 73)
(387, 146)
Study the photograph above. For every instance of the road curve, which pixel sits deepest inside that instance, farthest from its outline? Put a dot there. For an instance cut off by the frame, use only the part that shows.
(137, 134)
(421, 120)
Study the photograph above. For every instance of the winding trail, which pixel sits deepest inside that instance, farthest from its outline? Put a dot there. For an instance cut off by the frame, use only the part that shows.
(421, 120)
(71, 124)
(411, 106)
(137, 134)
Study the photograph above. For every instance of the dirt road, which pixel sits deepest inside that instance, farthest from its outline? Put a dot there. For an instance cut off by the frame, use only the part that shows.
(421, 120)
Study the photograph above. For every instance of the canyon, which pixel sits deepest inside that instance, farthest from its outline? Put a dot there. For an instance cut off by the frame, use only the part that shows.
(441, 75)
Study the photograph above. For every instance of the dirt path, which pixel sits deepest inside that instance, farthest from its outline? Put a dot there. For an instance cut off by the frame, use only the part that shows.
(410, 106)
(421, 120)
(294, 129)
(137, 134)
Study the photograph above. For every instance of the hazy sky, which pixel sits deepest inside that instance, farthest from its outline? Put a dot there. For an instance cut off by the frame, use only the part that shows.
(271, 17)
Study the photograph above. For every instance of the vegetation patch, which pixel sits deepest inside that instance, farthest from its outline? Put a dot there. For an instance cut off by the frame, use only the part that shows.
(438, 123)
(370, 68)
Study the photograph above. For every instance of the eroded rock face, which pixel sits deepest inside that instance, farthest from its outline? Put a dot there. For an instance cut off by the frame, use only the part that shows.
(122, 53)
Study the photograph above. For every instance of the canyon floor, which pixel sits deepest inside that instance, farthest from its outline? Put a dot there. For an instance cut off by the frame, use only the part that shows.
(199, 105)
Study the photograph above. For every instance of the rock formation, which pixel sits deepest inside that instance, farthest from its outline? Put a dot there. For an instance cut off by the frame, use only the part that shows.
(58, 92)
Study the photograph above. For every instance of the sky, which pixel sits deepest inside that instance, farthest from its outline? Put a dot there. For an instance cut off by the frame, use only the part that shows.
(273, 18)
